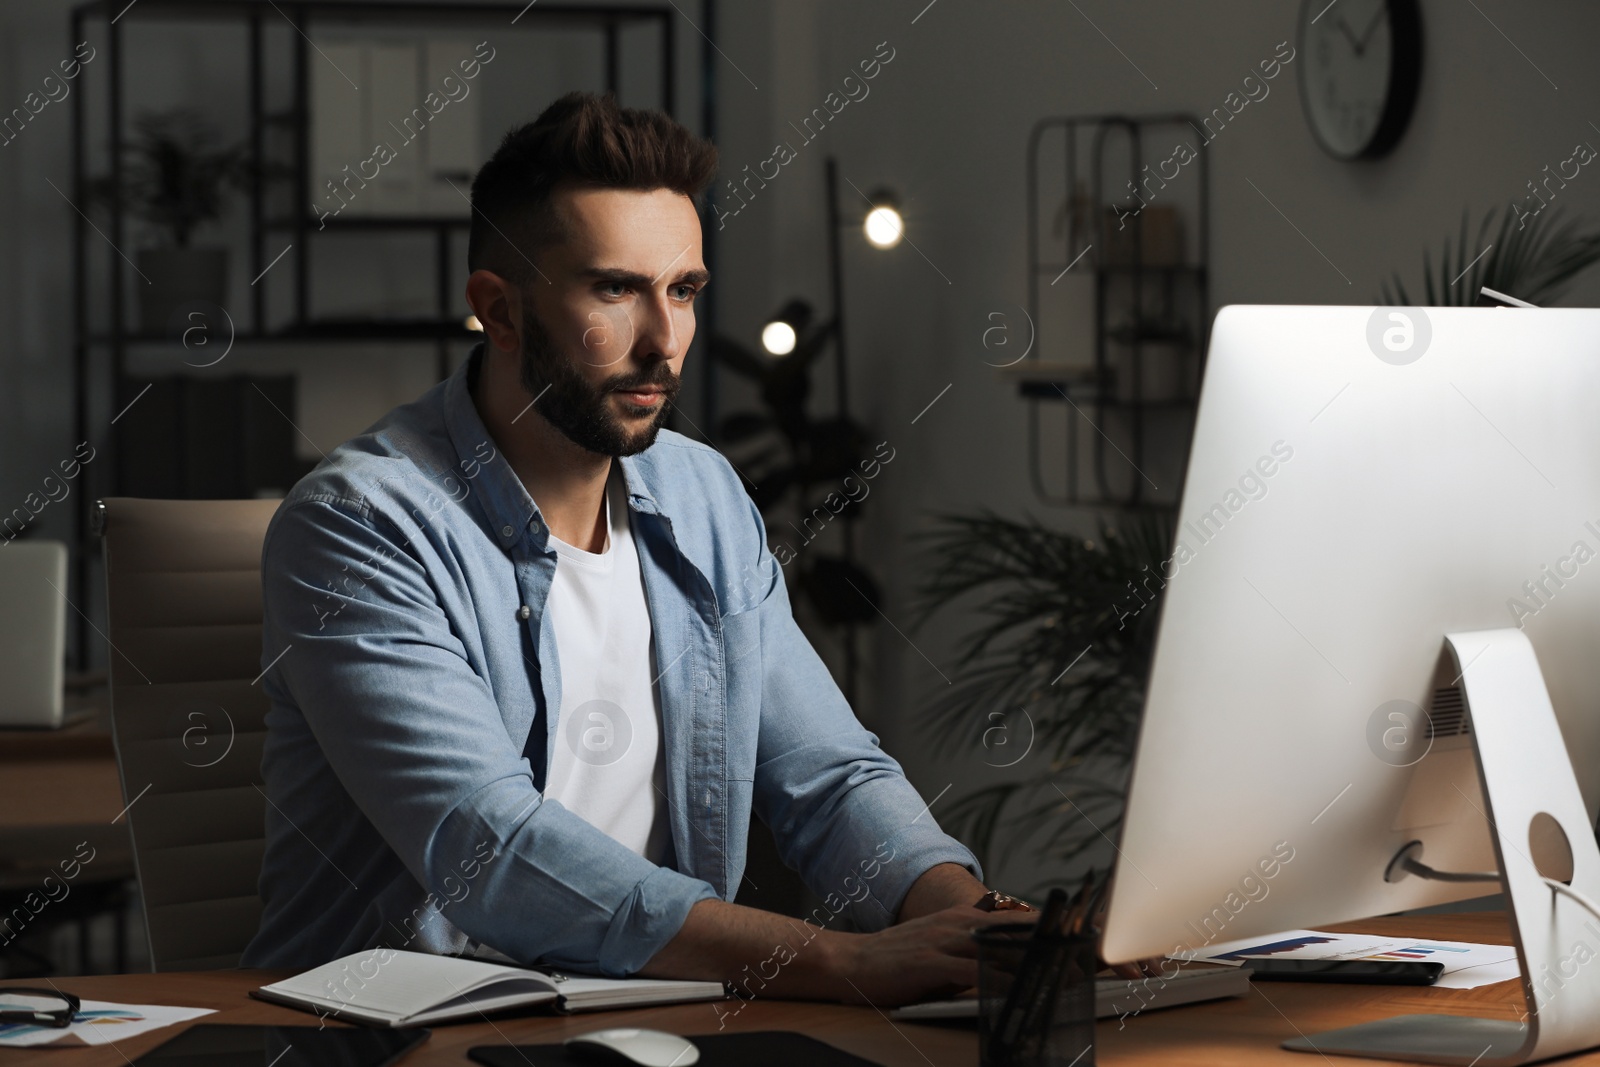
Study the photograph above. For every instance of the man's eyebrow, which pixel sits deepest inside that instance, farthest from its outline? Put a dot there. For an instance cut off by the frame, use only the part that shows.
(636, 280)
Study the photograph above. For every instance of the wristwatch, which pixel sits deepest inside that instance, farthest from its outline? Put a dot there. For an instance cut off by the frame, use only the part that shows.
(994, 900)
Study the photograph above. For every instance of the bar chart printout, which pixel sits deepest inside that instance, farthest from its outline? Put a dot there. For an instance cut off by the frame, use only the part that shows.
(1466, 965)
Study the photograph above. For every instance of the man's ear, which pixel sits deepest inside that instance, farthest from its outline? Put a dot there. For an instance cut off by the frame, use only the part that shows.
(496, 303)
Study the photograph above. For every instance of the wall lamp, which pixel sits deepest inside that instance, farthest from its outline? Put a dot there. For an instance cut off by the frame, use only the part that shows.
(783, 331)
(883, 226)
(794, 342)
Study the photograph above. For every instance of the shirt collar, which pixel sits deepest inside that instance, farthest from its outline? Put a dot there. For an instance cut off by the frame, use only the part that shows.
(639, 496)
(505, 501)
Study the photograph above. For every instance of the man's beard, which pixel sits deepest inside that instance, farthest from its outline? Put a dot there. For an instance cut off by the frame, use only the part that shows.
(580, 410)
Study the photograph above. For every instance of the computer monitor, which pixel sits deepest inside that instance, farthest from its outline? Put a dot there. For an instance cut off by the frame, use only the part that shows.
(1364, 481)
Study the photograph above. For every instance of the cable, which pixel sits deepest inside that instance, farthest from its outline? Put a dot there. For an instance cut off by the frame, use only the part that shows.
(1583, 899)
(1422, 870)
(1406, 861)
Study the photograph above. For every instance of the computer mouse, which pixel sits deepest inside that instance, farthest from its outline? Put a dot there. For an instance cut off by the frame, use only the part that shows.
(646, 1048)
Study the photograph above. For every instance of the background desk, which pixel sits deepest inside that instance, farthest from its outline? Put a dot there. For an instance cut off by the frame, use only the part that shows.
(59, 788)
(65, 777)
(1245, 1030)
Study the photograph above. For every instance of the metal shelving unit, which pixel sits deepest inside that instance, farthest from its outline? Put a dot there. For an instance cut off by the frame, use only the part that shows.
(101, 346)
(1141, 310)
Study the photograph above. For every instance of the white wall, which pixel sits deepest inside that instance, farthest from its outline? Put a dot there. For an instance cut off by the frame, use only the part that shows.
(946, 124)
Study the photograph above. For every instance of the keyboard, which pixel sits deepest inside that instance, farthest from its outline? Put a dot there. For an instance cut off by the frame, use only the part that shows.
(1116, 998)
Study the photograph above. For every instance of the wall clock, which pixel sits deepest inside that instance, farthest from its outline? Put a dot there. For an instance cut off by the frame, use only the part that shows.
(1360, 66)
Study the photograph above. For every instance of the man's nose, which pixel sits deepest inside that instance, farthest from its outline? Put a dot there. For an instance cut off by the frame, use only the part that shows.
(659, 335)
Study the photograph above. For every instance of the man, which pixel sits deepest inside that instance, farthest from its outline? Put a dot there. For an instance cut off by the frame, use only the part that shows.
(531, 664)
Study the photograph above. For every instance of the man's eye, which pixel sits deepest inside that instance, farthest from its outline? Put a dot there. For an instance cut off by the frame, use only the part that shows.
(615, 289)
(684, 292)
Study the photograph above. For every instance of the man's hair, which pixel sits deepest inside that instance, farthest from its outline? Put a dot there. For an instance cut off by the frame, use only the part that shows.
(582, 140)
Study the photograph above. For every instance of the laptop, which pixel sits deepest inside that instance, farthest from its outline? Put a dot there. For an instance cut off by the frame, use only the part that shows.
(33, 631)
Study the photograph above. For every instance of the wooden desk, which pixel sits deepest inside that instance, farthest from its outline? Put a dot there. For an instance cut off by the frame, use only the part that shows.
(1245, 1030)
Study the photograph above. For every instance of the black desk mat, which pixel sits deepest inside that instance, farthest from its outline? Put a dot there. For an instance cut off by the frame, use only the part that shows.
(769, 1048)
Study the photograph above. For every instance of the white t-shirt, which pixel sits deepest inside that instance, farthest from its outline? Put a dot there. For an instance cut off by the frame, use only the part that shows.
(607, 766)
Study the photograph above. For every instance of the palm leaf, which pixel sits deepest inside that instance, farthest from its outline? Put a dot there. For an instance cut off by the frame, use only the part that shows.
(1534, 259)
(1063, 628)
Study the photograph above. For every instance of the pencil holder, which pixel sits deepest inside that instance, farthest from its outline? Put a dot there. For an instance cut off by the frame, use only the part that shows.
(1036, 998)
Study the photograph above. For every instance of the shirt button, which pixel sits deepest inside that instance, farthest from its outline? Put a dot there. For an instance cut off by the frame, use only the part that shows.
(524, 612)
(506, 531)
(534, 525)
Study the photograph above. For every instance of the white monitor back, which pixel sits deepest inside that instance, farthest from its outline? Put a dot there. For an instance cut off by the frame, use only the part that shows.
(1358, 486)
(33, 625)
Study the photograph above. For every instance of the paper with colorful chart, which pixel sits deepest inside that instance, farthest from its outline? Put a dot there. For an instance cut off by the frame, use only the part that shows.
(97, 1022)
(1466, 965)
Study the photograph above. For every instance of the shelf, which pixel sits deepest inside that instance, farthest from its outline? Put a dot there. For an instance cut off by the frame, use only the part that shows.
(379, 330)
(1150, 268)
(1048, 390)
(373, 222)
(1047, 380)
(1177, 338)
(357, 12)
(1054, 269)
(1050, 372)
(274, 85)
(348, 330)
(1139, 305)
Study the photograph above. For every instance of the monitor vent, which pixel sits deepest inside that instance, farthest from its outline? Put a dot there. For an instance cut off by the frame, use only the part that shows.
(1448, 715)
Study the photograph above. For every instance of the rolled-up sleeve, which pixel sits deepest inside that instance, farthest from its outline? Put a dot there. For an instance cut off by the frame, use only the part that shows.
(840, 808)
(362, 645)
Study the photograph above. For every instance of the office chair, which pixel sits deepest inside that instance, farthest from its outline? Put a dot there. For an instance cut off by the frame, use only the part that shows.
(183, 584)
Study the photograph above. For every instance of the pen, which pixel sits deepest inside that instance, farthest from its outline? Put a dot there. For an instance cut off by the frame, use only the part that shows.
(1039, 982)
(1040, 1009)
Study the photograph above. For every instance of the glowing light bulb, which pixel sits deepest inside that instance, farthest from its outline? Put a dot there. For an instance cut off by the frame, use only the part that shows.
(884, 227)
(778, 338)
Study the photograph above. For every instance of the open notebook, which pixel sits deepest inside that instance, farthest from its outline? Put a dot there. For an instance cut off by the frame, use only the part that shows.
(387, 987)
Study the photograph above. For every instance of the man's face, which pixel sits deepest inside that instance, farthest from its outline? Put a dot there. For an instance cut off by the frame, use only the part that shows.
(606, 326)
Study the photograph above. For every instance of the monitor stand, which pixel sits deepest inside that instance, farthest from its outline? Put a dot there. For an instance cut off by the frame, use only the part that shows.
(1540, 828)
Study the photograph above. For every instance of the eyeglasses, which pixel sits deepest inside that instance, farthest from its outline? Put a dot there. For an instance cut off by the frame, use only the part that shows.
(41, 1007)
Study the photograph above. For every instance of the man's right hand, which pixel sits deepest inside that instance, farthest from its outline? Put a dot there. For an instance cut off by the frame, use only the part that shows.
(920, 959)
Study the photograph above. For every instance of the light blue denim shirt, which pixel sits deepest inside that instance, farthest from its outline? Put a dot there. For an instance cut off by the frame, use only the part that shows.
(408, 654)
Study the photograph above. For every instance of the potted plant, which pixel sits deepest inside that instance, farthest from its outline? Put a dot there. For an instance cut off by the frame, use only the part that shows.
(176, 176)
(1050, 685)
(1534, 261)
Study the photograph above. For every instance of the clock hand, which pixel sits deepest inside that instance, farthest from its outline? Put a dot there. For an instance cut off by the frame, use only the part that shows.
(1371, 26)
(1352, 37)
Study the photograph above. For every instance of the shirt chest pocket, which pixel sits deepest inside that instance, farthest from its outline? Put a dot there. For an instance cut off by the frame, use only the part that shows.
(741, 651)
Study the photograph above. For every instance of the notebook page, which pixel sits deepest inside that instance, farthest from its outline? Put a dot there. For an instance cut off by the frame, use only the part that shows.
(399, 983)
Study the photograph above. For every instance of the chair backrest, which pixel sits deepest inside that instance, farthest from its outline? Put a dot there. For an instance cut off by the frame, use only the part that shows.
(183, 585)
